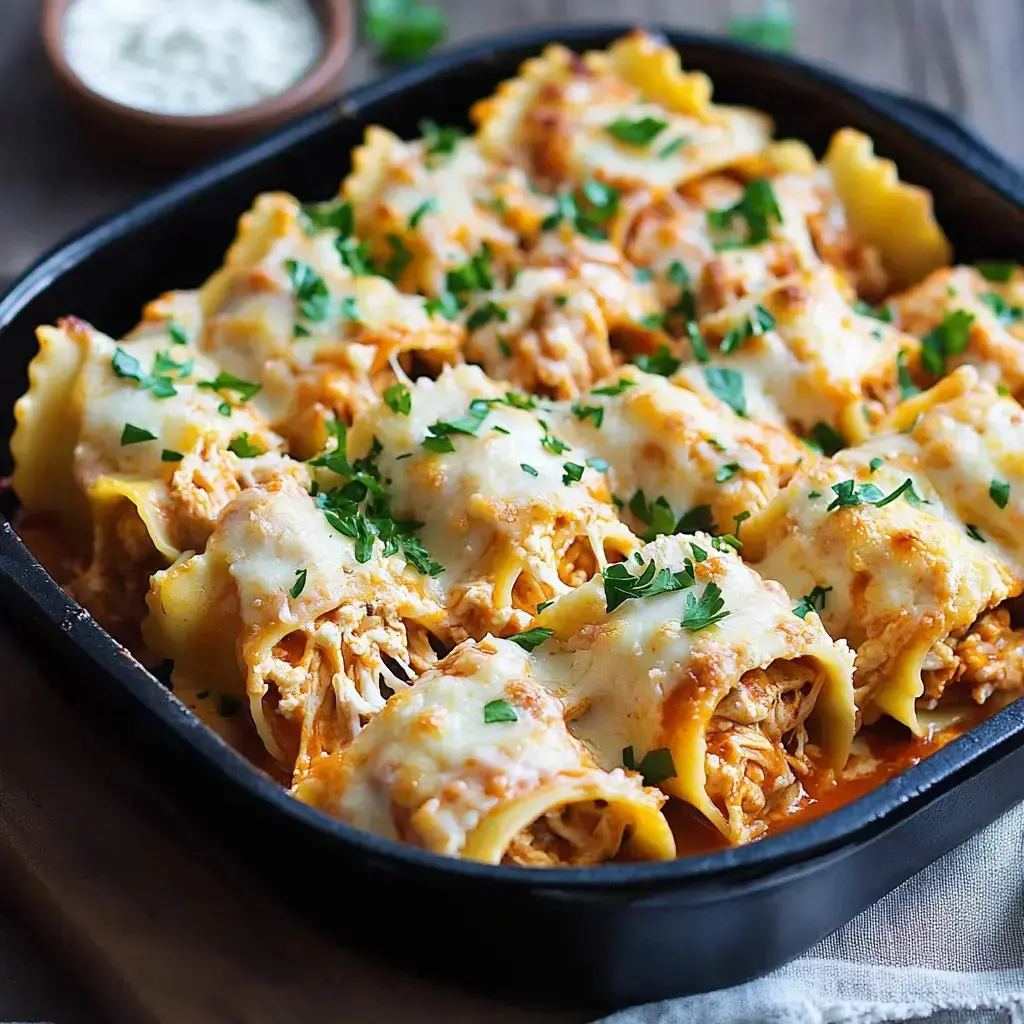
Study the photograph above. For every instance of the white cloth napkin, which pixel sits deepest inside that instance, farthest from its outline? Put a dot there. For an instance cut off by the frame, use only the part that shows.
(946, 947)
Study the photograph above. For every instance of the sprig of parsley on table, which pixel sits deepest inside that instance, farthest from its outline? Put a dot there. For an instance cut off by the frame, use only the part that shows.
(403, 30)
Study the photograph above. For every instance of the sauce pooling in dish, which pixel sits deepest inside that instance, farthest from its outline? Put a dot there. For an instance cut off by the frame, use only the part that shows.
(191, 57)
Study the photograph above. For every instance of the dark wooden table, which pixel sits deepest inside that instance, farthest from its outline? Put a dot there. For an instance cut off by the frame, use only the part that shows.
(962, 55)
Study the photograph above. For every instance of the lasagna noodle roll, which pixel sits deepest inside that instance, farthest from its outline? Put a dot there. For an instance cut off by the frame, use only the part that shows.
(965, 319)
(475, 761)
(566, 119)
(298, 308)
(703, 676)
(127, 449)
(869, 541)
(508, 514)
(800, 355)
(434, 204)
(280, 612)
(673, 452)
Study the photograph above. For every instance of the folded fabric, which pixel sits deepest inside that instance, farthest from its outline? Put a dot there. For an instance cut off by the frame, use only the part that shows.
(946, 947)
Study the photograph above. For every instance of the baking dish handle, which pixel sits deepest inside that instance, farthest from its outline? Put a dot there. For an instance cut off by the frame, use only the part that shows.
(949, 125)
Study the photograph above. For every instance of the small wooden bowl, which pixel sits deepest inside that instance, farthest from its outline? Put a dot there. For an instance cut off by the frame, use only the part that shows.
(177, 140)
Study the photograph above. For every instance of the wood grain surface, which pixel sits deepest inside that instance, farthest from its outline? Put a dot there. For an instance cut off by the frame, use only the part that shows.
(962, 55)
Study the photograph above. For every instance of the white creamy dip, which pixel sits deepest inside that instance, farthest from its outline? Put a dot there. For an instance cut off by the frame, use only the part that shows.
(191, 56)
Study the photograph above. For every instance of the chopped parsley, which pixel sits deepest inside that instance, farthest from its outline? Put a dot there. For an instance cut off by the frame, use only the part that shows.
(812, 602)
(826, 438)
(244, 390)
(620, 585)
(160, 382)
(726, 472)
(588, 211)
(612, 390)
(531, 639)
(527, 468)
(849, 494)
(585, 412)
(875, 463)
(243, 447)
(398, 399)
(758, 208)
(334, 215)
(1004, 312)
(489, 311)
(656, 515)
(728, 386)
(300, 582)
(974, 533)
(177, 333)
(601, 465)
(999, 492)
(662, 362)
(476, 274)
(698, 520)
(132, 434)
(403, 30)
(439, 434)
(757, 322)
(883, 313)
(544, 605)
(674, 146)
(641, 132)
(656, 767)
(169, 455)
(311, 293)
(572, 472)
(504, 348)
(445, 305)
(399, 259)
(551, 443)
(499, 711)
(997, 271)
(427, 206)
(704, 611)
(438, 141)
(950, 338)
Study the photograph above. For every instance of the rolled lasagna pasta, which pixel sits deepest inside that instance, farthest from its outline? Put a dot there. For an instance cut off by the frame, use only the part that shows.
(475, 761)
(908, 549)
(511, 524)
(133, 450)
(686, 663)
(283, 611)
(676, 456)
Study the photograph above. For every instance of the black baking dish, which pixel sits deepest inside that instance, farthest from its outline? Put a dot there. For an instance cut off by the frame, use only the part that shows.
(600, 937)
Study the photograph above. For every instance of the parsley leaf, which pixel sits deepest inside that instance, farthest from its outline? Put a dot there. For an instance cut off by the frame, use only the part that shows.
(905, 488)
(169, 455)
(698, 520)
(178, 334)
(849, 495)
(243, 389)
(641, 132)
(160, 381)
(620, 585)
(704, 611)
(300, 583)
(999, 492)
(883, 313)
(531, 639)
(527, 468)
(907, 386)
(726, 472)
(585, 412)
(403, 30)
(427, 206)
(1004, 312)
(758, 321)
(728, 386)
(334, 215)
(398, 399)
(826, 438)
(657, 766)
(489, 311)
(812, 602)
(499, 711)
(573, 472)
(311, 294)
(445, 305)
(671, 147)
(135, 435)
(551, 443)
(997, 271)
(974, 533)
(950, 338)
(474, 275)
(662, 362)
(440, 141)
(876, 463)
(243, 447)
(612, 390)
(759, 208)
(656, 515)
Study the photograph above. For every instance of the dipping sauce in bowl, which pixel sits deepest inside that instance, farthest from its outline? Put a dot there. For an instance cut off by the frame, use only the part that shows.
(191, 57)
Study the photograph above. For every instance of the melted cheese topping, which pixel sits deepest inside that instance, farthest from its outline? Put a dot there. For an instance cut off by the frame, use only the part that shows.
(432, 769)
(686, 447)
(638, 677)
(498, 513)
(819, 362)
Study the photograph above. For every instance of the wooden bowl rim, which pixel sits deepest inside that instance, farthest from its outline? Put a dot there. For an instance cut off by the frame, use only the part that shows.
(338, 46)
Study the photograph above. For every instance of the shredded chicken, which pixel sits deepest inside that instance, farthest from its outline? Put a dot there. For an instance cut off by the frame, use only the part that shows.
(987, 656)
(321, 684)
(574, 836)
(756, 745)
